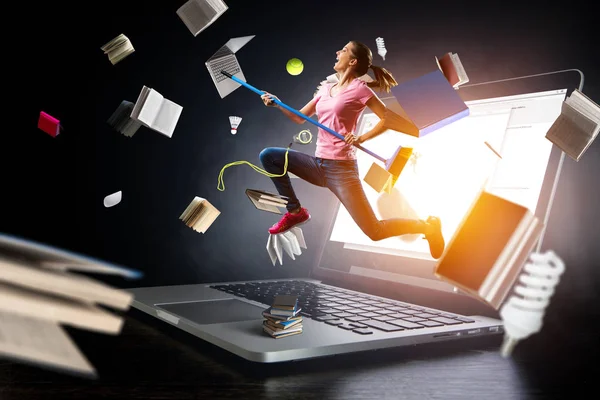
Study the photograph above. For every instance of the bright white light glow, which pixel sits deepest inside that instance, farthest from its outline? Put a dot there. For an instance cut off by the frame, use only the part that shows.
(451, 165)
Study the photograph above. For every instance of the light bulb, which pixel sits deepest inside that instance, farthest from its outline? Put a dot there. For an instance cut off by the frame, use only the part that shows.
(523, 313)
(381, 50)
(235, 122)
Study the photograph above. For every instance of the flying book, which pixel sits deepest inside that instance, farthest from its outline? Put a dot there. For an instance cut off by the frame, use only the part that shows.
(49, 124)
(452, 69)
(121, 120)
(291, 242)
(199, 214)
(40, 291)
(577, 126)
(428, 103)
(489, 248)
(267, 201)
(383, 180)
(198, 15)
(118, 48)
(156, 112)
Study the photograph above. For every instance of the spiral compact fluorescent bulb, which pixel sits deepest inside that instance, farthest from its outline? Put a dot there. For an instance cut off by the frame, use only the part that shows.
(381, 50)
(523, 313)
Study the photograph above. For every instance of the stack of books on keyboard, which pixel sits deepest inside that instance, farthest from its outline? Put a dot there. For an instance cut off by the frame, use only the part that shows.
(282, 318)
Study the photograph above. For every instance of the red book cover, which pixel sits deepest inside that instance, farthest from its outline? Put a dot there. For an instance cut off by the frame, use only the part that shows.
(49, 124)
(448, 69)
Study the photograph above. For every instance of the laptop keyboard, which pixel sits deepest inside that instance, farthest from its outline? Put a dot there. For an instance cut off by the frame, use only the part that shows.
(227, 64)
(346, 309)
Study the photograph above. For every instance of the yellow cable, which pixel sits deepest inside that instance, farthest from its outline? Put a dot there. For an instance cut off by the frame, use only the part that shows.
(254, 167)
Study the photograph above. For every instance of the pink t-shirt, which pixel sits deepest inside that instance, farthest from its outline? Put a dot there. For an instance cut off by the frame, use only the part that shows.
(340, 113)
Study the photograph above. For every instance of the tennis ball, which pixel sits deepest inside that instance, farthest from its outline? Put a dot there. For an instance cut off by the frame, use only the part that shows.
(294, 66)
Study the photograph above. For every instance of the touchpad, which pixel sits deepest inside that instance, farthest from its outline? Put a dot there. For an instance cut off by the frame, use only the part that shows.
(215, 311)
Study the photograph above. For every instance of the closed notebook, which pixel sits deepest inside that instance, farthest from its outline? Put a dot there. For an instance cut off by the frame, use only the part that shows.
(429, 102)
(489, 248)
(49, 124)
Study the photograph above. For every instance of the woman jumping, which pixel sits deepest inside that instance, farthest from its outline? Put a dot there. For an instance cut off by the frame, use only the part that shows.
(338, 106)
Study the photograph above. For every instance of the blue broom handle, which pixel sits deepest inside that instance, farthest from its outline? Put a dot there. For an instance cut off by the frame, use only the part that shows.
(260, 92)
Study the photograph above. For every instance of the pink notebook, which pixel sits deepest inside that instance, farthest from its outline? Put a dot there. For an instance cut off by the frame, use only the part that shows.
(49, 124)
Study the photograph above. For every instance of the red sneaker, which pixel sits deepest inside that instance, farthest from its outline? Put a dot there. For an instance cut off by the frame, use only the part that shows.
(289, 221)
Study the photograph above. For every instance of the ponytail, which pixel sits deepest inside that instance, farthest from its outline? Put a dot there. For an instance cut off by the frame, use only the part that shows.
(384, 81)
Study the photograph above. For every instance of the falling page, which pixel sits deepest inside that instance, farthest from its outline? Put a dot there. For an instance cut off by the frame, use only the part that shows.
(150, 107)
(40, 342)
(167, 117)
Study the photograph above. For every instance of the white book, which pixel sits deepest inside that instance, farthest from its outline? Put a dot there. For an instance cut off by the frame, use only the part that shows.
(198, 15)
(577, 126)
(41, 342)
(32, 304)
(156, 112)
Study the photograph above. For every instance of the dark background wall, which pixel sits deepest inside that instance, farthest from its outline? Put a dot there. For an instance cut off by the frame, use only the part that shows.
(52, 189)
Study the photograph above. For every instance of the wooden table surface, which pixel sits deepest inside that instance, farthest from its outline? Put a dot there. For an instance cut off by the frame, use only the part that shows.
(152, 360)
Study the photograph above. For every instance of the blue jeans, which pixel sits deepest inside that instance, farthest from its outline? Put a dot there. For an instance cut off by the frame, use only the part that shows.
(341, 177)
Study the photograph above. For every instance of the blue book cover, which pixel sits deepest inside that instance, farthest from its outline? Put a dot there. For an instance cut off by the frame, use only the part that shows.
(430, 102)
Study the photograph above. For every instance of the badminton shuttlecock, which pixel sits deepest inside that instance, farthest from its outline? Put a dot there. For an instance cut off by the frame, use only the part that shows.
(523, 313)
(113, 199)
(381, 50)
(235, 122)
(290, 241)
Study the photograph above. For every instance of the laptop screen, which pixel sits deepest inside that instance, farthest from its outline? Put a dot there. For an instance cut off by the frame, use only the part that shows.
(500, 146)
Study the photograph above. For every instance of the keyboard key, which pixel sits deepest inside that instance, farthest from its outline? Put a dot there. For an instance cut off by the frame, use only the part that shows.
(346, 326)
(414, 319)
(342, 308)
(357, 325)
(425, 315)
(363, 331)
(371, 308)
(369, 314)
(334, 322)
(326, 310)
(383, 318)
(397, 309)
(430, 323)
(405, 324)
(399, 315)
(382, 326)
(356, 318)
(447, 321)
(343, 315)
(466, 320)
(325, 318)
(385, 312)
(411, 312)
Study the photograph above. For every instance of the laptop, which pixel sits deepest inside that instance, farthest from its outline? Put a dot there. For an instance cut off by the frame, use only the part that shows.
(363, 295)
(225, 60)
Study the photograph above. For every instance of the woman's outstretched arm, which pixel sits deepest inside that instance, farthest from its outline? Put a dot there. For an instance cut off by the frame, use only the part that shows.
(309, 109)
